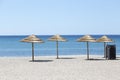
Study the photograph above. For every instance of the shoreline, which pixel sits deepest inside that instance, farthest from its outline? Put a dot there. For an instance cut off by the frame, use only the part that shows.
(81, 55)
(52, 56)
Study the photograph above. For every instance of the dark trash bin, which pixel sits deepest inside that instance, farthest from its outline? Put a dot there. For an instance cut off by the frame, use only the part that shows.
(110, 52)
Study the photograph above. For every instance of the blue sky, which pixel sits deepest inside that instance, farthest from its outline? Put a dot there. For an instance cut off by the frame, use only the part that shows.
(66, 17)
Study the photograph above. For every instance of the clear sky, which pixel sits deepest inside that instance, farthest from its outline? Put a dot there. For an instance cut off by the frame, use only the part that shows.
(66, 17)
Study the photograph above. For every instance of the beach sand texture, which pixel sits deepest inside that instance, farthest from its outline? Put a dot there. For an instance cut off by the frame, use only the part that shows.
(66, 68)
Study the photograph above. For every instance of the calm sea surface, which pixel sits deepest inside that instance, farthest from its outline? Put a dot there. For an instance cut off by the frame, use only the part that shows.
(11, 46)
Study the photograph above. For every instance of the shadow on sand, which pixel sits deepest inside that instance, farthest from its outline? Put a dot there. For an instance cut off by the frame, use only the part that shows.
(66, 58)
(41, 61)
(92, 59)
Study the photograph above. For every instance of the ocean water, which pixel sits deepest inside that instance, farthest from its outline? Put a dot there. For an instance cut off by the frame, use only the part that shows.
(11, 46)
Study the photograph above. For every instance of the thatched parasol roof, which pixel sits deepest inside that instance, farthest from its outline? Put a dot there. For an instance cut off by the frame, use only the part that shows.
(32, 38)
(104, 39)
(57, 38)
(86, 38)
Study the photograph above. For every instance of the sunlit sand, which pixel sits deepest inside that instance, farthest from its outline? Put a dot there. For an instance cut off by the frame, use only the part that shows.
(65, 68)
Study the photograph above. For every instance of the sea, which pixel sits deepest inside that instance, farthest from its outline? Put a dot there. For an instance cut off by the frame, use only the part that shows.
(10, 46)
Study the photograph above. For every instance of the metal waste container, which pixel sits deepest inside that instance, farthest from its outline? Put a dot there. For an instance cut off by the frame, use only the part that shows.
(110, 52)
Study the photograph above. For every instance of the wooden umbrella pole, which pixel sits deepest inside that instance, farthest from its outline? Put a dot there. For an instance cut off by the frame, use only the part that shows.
(87, 51)
(57, 49)
(32, 51)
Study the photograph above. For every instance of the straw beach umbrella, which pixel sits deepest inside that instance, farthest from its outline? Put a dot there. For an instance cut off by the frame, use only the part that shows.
(104, 39)
(32, 39)
(57, 38)
(86, 38)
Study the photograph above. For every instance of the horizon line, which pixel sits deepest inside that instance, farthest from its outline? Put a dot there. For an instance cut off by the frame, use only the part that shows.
(51, 34)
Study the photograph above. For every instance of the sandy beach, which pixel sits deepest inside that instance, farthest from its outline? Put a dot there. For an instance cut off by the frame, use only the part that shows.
(66, 68)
